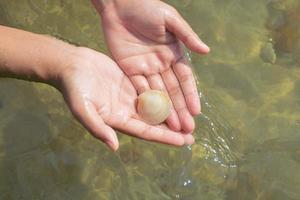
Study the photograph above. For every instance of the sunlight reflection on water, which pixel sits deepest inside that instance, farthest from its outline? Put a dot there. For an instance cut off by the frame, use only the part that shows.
(247, 141)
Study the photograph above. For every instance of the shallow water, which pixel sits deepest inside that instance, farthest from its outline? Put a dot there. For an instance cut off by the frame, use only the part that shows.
(247, 139)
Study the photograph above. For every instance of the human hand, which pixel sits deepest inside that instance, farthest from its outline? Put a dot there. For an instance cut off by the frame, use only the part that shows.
(96, 90)
(143, 37)
(101, 97)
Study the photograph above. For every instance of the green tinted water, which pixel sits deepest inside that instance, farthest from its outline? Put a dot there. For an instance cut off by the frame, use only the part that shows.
(248, 140)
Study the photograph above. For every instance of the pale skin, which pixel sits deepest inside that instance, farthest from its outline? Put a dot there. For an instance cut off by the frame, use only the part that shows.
(144, 38)
(97, 92)
(101, 93)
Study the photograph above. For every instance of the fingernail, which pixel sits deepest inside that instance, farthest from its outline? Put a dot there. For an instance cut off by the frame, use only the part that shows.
(115, 138)
(205, 47)
(190, 140)
(110, 145)
(179, 138)
(112, 142)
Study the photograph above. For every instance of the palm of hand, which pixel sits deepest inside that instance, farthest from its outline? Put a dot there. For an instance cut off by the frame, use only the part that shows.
(152, 57)
(101, 97)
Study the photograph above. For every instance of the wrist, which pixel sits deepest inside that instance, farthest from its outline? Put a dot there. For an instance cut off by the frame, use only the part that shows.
(55, 57)
(101, 5)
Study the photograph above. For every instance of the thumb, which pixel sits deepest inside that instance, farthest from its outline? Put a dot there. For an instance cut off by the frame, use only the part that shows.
(86, 113)
(182, 30)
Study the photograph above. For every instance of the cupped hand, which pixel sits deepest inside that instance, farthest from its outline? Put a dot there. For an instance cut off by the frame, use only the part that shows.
(144, 37)
(101, 97)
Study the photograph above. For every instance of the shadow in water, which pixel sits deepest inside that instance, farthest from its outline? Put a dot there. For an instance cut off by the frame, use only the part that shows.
(34, 163)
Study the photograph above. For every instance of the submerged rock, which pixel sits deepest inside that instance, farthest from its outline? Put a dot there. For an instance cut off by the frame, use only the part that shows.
(268, 54)
(284, 23)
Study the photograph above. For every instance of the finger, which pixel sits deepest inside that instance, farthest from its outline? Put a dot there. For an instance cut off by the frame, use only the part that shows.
(188, 139)
(140, 83)
(188, 85)
(174, 90)
(86, 113)
(140, 129)
(156, 83)
(178, 26)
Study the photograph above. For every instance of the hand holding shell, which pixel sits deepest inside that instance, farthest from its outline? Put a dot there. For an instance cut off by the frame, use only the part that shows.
(153, 106)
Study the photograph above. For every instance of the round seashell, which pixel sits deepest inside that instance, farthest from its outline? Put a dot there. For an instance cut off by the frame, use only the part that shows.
(153, 106)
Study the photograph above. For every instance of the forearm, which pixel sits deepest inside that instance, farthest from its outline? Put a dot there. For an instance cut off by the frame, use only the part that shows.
(31, 56)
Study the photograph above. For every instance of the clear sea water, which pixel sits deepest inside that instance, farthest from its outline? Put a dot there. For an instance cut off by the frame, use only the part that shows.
(247, 140)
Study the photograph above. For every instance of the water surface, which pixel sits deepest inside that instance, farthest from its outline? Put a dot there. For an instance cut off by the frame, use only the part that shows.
(247, 138)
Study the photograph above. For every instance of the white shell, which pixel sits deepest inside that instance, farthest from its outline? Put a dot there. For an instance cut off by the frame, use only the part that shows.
(153, 106)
